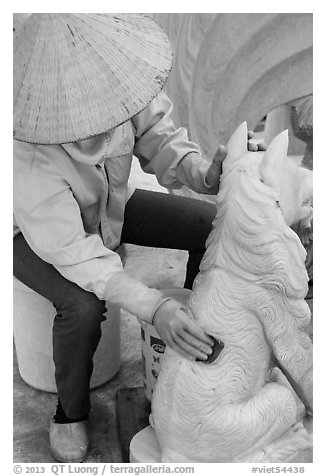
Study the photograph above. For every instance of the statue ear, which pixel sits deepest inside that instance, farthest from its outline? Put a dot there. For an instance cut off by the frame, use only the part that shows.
(237, 145)
(274, 159)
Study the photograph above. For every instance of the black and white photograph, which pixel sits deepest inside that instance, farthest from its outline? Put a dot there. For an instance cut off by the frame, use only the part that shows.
(163, 241)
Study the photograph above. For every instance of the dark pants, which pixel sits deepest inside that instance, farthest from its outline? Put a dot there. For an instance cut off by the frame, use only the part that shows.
(151, 219)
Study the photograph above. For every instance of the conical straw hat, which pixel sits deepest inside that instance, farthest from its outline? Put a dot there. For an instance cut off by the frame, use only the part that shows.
(78, 75)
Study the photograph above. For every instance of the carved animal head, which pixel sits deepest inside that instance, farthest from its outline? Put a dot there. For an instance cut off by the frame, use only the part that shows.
(291, 183)
(261, 195)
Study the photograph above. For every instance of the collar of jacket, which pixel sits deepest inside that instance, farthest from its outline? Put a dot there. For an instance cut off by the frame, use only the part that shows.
(95, 150)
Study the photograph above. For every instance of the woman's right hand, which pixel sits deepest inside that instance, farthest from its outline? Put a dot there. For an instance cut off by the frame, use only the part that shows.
(181, 332)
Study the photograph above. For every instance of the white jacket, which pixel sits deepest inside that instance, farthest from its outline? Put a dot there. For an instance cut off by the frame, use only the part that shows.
(69, 199)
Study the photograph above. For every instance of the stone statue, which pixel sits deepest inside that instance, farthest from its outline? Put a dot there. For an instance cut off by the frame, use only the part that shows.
(248, 404)
(231, 67)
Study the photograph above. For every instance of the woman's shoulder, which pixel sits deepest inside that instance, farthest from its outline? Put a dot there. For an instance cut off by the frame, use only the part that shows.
(39, 159)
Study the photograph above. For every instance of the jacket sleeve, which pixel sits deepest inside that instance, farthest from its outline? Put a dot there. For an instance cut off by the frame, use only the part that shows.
(49, 218)
(166, 151)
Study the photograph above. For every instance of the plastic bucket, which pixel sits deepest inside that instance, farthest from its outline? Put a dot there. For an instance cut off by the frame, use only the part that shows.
(152, 345)
(33, 320)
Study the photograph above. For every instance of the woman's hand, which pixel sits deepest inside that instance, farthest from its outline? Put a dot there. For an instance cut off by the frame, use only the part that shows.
(252, 146)
(215, 170)
(180, 332)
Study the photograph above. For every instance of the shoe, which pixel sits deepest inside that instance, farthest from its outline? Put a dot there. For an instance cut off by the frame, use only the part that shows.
(69, 441)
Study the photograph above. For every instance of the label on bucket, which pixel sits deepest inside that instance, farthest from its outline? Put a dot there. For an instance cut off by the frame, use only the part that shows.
(152, 349)
(157, 344)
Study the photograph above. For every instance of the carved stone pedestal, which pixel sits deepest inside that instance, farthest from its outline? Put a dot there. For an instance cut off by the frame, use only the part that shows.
(144, 447)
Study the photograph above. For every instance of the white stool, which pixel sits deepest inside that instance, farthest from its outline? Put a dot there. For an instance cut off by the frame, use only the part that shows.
(33, 320)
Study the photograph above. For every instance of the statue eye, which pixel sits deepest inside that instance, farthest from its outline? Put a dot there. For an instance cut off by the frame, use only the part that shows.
(307, 203)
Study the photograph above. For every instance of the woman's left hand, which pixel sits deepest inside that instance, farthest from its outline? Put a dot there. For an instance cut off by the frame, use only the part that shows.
(252, 146)
(216, 168)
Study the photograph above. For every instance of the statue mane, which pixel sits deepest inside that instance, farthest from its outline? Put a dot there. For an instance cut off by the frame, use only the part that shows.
(250, 237)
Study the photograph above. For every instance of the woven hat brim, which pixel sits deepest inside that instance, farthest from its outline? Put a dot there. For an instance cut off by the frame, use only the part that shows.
(78, 75)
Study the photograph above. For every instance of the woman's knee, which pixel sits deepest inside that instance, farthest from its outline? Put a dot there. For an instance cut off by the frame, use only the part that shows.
(91, 307)
(198, 224)
(84, 307)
